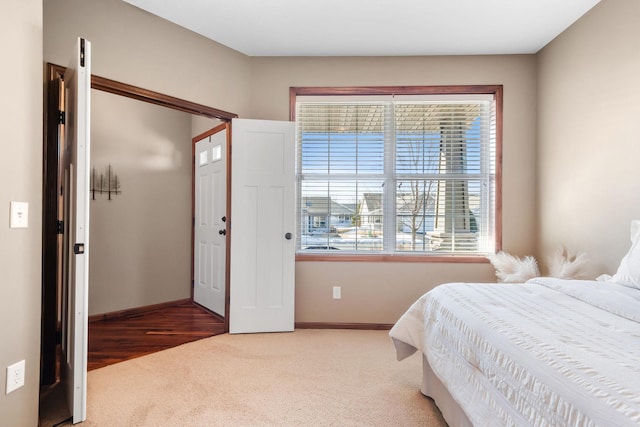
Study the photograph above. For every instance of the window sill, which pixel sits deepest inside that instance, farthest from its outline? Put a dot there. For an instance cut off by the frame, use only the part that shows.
(480, 259)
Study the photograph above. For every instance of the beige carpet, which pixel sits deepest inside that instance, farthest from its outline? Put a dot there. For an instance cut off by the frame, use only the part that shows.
(303, 378)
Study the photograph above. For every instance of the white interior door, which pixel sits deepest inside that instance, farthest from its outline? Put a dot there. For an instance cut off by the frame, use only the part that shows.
(210, 227)
(262, 226)
(77, 80)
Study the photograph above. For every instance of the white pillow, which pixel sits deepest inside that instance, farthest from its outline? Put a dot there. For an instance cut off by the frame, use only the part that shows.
(628, 273)
(511, 269)
(567, 265)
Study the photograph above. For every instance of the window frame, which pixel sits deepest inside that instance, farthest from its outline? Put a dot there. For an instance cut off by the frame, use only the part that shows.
(495, 90)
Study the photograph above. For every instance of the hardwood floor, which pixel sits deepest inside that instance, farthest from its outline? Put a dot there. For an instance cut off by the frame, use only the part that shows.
(116, 340)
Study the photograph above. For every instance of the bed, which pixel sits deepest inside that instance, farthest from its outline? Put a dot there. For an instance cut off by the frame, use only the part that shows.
(546, 352)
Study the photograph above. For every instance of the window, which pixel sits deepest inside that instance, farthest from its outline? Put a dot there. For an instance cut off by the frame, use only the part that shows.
(398, 171)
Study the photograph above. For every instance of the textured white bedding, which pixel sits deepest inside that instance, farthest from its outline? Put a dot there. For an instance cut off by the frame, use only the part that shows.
(549, 352)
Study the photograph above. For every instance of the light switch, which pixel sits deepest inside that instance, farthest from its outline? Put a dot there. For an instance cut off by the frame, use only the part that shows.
(19, 215)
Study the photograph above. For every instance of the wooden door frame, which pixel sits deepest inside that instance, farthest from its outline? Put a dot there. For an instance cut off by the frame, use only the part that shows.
(51, 185)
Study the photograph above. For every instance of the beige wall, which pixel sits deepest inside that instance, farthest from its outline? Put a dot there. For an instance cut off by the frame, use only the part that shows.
(589, 135)
(379, 293)
(200, 125)
(135, 47)
(21, 178)
(141, 241)
(138, 48)
(141, 238)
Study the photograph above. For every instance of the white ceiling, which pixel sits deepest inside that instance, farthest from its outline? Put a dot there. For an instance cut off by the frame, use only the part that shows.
(374, 27)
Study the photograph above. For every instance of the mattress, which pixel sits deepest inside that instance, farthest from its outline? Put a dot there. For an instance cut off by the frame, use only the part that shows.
(548, 352)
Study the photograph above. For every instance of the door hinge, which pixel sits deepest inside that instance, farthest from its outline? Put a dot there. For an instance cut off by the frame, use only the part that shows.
(60, 229)
(82, 52)
(61, 117)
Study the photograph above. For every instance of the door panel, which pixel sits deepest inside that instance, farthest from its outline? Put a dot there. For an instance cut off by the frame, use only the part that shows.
(76, 241)
(210, 221)
(263, 224)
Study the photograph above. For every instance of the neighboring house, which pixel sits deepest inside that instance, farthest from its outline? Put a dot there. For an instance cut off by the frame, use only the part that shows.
(324, 215)
(370, 212)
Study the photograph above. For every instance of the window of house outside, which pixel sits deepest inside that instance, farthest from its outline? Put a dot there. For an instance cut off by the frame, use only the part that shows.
(398, 172)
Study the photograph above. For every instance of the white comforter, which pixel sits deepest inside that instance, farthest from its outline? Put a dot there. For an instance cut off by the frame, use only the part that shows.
(548, 352)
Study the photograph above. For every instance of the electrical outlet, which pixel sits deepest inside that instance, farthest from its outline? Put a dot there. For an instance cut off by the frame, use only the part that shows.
(15, 376)
(337, 292)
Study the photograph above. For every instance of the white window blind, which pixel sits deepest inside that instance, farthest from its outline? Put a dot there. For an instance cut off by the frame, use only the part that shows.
(409, 175)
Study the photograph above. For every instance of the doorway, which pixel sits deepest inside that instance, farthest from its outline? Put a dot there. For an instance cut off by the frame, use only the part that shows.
(53, 225)
(210, 226)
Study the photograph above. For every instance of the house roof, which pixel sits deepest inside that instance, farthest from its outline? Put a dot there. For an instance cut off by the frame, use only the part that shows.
(406, 202)
(371, 204)
(325, 206)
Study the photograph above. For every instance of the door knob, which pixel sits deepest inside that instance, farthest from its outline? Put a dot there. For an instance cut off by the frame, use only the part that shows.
(222, 232)
(288, 236)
